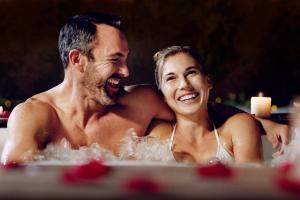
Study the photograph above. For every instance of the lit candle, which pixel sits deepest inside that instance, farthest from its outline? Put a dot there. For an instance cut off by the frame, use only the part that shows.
(261, 106)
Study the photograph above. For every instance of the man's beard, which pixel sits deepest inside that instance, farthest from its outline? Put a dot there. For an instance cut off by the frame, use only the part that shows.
(97, 89)
(103, 98)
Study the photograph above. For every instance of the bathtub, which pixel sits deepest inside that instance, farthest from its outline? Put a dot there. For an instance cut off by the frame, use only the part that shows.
(177, 181)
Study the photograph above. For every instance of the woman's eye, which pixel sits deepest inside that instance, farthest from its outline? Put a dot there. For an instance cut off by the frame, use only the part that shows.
(170, 78)
(192, 72)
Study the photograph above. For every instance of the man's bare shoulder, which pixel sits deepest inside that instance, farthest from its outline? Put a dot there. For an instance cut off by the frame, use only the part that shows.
(36, 104)
(34, 110)
(29, 126)
(160, 129)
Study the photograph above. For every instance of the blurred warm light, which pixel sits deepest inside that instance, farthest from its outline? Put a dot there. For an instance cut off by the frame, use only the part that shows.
(7, 103)
(218, 100)
(232, 95)
(274, 108)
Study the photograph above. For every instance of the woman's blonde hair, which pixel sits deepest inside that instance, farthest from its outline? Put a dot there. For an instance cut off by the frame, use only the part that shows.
(161, 56)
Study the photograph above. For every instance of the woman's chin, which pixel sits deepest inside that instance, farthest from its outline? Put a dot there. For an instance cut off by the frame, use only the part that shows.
(190, 109)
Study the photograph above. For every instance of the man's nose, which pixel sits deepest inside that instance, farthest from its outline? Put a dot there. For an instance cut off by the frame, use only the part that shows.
(124, 71)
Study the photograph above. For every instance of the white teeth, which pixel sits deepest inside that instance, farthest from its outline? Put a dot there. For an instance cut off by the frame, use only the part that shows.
(113, 81)
(187, 97)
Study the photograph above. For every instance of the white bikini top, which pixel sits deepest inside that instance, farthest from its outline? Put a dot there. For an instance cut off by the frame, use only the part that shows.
(222, 154)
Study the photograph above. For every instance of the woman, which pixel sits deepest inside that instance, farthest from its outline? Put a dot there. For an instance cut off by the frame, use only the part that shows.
(196, 137)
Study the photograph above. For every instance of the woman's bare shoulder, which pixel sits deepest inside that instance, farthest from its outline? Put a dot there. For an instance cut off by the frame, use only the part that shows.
(241, 124)
(240, 120)
(245, 137)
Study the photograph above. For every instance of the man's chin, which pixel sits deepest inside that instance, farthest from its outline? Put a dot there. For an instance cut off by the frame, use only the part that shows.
(106, 97)
(107, 101)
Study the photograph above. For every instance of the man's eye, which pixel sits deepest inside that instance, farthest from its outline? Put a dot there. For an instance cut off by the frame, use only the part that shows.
(115, 60)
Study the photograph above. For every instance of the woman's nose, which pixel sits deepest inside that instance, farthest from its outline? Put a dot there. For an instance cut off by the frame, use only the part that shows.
(184, 83)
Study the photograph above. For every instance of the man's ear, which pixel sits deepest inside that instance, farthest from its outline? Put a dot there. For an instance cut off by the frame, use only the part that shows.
(77, 60)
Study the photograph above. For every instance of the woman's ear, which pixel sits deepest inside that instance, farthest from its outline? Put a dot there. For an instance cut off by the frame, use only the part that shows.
(209, 82)
(77, 60)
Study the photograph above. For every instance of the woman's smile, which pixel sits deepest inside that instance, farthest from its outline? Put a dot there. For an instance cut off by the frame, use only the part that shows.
(188, 98)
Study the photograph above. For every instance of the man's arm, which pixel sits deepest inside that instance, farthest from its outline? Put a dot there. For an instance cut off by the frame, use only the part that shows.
(160, 129)
(27, 131)
(275, 132)
(150, 99)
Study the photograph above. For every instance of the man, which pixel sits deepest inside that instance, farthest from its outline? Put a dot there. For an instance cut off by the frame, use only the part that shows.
(89, 106)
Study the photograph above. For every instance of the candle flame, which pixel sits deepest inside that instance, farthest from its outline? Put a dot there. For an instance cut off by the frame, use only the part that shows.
(260, 94)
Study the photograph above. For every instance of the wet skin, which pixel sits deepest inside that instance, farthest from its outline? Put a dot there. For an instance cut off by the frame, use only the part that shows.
(186, 91)
(86, 107)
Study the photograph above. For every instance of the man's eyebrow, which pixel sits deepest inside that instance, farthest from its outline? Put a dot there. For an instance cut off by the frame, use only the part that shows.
(118, 54)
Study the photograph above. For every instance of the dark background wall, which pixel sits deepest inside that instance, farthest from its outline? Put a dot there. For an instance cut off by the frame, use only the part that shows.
(249, 45)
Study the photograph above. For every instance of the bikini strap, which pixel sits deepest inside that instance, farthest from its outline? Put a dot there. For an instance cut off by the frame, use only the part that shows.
(217, 135)
(172, 136)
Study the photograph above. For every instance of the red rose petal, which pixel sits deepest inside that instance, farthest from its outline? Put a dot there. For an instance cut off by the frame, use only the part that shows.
(215, 170)
(5, 114)
(285, 167)
(12, 165)
(87, 172)
(141, 184)
(289, 185)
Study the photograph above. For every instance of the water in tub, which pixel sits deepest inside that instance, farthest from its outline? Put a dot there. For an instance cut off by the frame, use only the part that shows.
(292, 150)
(146, 149)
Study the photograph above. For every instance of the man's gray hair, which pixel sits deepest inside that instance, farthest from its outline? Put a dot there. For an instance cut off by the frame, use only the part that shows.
(80, 32)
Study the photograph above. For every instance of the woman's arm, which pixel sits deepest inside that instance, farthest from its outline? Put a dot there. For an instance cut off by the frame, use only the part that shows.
(246, 138)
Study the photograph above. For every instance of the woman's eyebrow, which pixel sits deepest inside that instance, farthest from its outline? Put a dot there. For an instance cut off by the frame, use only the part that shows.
(192, 67)
(168, 74)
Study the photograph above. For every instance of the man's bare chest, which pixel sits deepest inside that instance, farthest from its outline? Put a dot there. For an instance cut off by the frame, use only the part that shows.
(109, 131)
